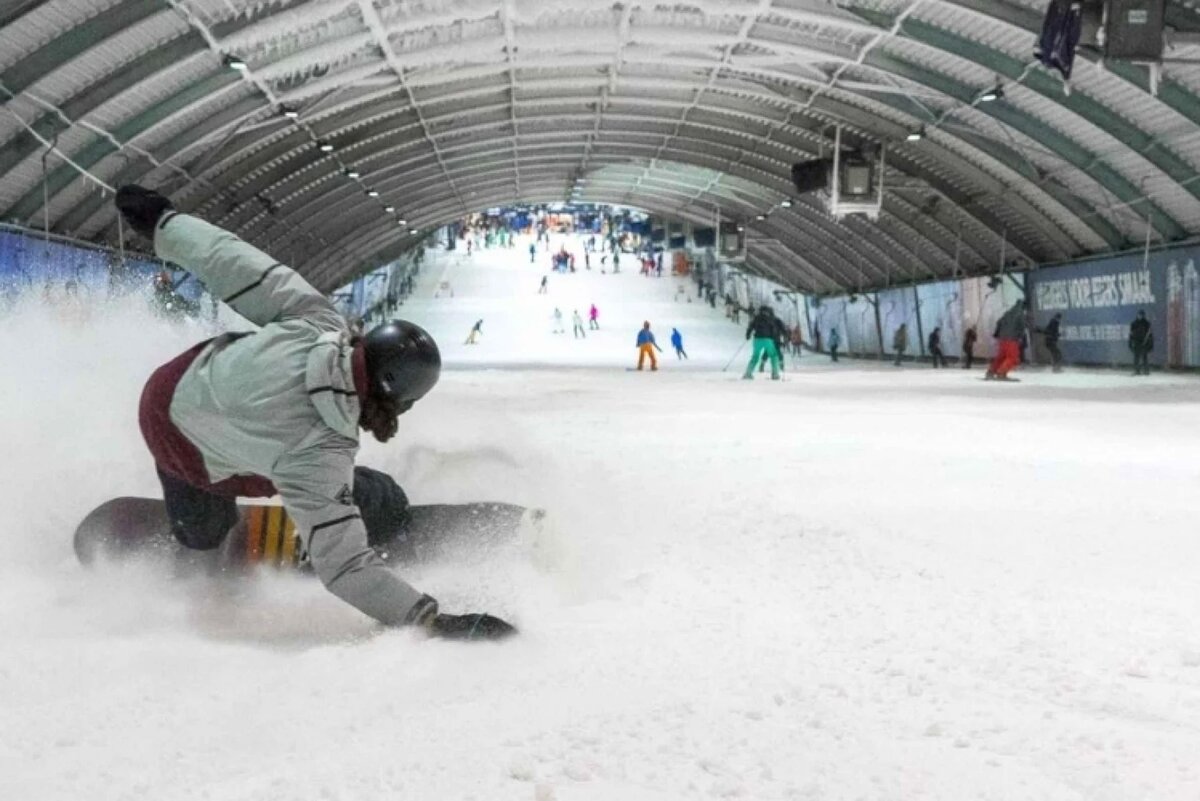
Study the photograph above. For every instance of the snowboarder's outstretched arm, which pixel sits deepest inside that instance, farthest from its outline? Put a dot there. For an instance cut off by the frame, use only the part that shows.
(315, 485)
(257, 286)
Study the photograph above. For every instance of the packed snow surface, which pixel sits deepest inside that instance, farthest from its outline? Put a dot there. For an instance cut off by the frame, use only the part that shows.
(863, 582)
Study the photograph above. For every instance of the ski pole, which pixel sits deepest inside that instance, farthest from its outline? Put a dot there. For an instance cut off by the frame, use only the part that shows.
(735, 355)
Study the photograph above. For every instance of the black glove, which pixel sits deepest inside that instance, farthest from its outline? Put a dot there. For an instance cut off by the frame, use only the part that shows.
(469, 627)
(141, 208)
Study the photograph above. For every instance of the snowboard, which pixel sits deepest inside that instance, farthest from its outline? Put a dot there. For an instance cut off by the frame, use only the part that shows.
(128, 529)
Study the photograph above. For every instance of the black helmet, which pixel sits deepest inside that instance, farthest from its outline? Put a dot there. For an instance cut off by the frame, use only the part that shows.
(403, 362)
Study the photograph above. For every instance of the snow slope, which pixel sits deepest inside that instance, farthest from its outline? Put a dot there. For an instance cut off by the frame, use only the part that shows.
(862, 583)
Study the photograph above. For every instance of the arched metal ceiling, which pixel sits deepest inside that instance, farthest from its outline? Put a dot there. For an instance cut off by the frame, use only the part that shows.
(685, 109)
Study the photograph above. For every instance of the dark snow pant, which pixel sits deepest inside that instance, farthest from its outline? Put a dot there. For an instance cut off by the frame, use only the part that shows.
(680, 353)
(200, 519)
(968, 359)
(1141, 361)
(833, 353)
(939, 358)
(1055, 355)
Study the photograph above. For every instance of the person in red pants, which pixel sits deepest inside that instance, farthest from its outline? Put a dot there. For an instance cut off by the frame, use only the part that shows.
(1009, 330)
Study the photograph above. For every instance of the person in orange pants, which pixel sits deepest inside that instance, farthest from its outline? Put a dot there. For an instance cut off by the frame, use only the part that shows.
(1009, 329)
(646, 347)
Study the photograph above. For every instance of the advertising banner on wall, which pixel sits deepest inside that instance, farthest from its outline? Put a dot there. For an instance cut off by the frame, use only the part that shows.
(983, 301)
(855, 323)
(1099, 299)
(899, 307)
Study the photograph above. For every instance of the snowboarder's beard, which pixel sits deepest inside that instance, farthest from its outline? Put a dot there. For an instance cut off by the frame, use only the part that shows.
(382, 417)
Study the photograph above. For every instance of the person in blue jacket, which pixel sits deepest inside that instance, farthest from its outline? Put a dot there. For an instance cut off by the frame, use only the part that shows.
(677, 344)
(646, 347)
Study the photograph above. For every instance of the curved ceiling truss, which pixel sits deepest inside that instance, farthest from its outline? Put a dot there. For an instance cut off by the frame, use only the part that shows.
(693, 110)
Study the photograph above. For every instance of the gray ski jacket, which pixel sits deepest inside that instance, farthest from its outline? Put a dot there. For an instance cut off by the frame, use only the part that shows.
(281, 403)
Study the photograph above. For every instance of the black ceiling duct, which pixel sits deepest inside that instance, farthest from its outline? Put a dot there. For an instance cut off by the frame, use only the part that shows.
(811, 176)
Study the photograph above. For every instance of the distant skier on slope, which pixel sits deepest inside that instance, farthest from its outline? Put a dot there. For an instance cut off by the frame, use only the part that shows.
(677, 344)
(935, 347)
(970, 337)
(646, 347)
(577, 325)
(594, 318)
(278, 411)
(476, 332)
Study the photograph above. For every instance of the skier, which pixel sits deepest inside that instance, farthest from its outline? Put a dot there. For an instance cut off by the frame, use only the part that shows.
(577, 322)
(532, 252)
(543, 288)
(762, 328)
(476, 331)
(1052, 334)
(1141, 342)
(781, 342)
(900, 342)
(797, 341)
(278, 412)
(970, 336)
(1009, 330)
(558, 324)
(646, 347)
(594, 318)
(935, 347)
(834, 342)
(677, 344)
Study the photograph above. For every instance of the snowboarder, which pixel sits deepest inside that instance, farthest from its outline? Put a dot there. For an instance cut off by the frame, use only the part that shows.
(968, 346)
(1051, 334)
(646, 347)
(1009, 330)
(577, 323)
(222, 419)
(935, 347)
(762, 328)
(677, 344)
(476, 331)
(594, 318)
(834, 342)
(558, 323)
(1141, 342)
(900, 342)
(543, 288)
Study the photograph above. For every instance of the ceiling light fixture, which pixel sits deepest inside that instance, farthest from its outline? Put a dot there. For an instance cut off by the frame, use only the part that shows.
(372, 193)
(389, 209)
(235, 63)
(351, 173)
(786, 203)
(289, 112)
(915, 136)
(401, 222)
(992, 94)
(760, 217)
(325, 147)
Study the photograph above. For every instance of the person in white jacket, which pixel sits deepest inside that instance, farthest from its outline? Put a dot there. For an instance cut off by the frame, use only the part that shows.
(277, 411)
